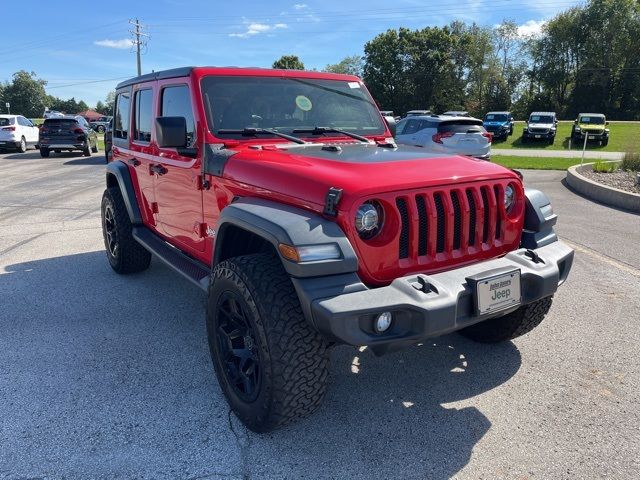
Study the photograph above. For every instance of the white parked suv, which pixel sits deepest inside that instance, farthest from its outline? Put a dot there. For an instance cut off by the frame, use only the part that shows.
(446, 134)
(17, 133)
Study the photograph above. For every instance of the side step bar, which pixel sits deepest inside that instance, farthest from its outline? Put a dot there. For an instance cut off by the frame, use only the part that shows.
(192, 270)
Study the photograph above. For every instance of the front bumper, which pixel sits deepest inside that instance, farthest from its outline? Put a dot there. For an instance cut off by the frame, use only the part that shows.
(539, 135)
(446, 305)
(595, 136)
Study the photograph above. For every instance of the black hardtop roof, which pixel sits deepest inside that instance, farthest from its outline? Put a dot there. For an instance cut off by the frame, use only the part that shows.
(172, 73)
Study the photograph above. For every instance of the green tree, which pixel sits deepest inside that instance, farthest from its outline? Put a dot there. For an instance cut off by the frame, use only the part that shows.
(348, 65)
(26, 94)
(289, 62)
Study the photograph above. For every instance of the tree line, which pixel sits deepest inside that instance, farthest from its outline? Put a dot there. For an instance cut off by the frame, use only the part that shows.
(585, 59)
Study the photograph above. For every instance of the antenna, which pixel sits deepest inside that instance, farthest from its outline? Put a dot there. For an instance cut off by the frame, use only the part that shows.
(140, 39)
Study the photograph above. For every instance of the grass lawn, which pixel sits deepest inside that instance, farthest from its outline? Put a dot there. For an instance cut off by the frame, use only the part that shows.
(535, 163)
(624, 137)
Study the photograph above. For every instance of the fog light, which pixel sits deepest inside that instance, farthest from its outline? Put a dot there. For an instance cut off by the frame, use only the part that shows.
(383, 322)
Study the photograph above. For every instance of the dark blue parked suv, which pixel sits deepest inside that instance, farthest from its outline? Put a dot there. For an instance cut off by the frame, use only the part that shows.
(500, 124)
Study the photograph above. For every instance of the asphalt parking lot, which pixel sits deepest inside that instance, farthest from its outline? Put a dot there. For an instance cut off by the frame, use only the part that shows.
(107, 376)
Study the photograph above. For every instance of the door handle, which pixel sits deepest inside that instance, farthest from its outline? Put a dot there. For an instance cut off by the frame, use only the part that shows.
(156, 169)
(134, 162)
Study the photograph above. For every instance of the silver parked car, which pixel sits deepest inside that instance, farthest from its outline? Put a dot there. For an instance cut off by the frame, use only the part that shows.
(445, 134)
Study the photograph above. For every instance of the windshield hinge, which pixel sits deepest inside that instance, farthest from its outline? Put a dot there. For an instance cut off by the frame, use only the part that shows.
(331, 201)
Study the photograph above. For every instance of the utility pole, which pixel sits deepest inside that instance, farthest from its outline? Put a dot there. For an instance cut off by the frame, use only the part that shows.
(139, 40)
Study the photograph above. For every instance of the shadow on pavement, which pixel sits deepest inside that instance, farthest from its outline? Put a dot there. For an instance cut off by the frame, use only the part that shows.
(95, 159)
(100, 366)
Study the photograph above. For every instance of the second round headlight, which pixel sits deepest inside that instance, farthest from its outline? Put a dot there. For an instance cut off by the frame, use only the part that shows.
(368, 220)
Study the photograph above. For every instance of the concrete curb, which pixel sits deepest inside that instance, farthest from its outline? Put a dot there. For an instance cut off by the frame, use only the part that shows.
(599, 192)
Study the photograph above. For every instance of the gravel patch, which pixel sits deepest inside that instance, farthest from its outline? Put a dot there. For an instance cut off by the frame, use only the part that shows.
(619, 179)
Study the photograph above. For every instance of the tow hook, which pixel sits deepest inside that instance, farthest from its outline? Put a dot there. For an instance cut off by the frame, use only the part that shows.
(533, 256)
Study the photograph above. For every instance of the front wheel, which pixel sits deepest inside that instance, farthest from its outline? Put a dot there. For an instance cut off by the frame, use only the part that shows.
(605, 142)
(511, 325)
(44, 152)
(271, 364)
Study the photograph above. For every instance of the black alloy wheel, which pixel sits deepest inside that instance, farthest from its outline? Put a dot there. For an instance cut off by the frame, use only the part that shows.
(237, 346)
(110, 231)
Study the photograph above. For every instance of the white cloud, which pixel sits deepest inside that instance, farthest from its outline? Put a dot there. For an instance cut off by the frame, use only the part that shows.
(531, 28)
(254, 28)
(122, 44)
(300, 6)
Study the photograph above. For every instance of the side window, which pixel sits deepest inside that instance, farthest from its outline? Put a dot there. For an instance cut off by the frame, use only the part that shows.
(121, 127)
(176, 102)
(412, 127)
(143, 113)
(22, 121)
(400, 127)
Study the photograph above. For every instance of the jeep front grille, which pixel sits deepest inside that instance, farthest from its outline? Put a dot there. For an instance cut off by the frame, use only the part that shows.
(449, 222)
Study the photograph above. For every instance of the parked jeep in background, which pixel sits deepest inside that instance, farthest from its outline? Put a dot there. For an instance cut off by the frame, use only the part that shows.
(500, 124)
(593, 124)
(541, 126)
(282, 194)
(100, 125)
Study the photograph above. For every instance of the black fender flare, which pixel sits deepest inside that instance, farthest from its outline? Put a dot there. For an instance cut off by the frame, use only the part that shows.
(539, 220)
(283, 224)
(119, 172)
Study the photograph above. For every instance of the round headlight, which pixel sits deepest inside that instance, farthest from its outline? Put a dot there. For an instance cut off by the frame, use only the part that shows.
(509, 197)
(367, 220)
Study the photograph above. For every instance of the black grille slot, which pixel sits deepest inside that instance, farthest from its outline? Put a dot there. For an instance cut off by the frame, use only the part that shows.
(496, 189)
(437, 198)
(423, 225)
(485, 206)
(472, 217)
(401, 203)
(457, 220)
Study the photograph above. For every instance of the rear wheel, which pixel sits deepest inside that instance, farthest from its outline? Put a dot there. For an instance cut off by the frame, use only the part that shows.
(510, 326)
(100, 129)
(271, 364)
(94, 149)
(44, 152)
(124, 253)
(87, 149)
(23, 145)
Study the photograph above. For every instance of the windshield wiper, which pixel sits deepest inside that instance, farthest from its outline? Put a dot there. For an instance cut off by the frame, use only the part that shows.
(250, 131)
(322, 130)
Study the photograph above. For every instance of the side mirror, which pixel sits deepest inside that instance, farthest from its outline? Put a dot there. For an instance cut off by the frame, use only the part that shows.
(391, 123)
(171, 132)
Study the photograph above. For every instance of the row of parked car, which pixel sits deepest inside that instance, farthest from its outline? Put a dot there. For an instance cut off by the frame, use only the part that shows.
(56, 134)
(456, 132)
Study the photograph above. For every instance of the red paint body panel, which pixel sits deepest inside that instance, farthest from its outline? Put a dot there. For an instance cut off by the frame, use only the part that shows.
(301, 177)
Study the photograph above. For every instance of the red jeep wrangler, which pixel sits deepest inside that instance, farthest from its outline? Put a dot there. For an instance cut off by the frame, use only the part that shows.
(283, 195)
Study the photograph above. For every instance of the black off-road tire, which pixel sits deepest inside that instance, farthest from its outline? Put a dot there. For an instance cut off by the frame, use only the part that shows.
(100, 129)
(291, 357)
(44, 152)
(94, 149)
(512, 325)
(125, 255)
(605, 142)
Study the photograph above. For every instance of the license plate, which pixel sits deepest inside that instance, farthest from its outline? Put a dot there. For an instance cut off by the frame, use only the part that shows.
(537, 136)
(498, 292)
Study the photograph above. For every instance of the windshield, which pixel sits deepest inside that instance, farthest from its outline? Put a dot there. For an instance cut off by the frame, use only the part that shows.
(592, 120)
(492, 117)
(541, 119)
(288, 104)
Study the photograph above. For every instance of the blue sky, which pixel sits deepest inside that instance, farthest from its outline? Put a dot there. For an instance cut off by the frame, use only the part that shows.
(71, 44)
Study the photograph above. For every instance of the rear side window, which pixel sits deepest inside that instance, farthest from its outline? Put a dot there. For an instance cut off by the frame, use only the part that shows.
(412, 126)
(176, 102)
(461, 126)
(121, 128)
(143, 109)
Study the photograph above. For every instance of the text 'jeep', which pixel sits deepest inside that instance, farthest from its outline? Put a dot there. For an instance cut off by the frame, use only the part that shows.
(283, 195)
